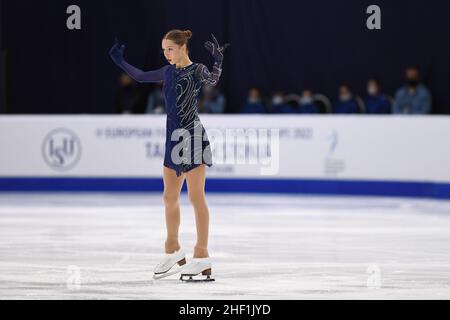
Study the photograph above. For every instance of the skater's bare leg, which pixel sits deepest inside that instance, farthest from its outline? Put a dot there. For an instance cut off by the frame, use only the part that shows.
(195, 180)
(172, 189)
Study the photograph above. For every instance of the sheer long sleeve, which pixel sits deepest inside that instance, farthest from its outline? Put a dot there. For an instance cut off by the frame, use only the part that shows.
(117, 52)
(207, 77)
(143, 76)
(202, 72)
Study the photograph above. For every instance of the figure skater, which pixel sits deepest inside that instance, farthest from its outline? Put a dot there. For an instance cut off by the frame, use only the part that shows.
(187, 148)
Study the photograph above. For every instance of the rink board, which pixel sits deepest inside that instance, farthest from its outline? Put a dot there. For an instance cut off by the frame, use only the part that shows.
(367, 155)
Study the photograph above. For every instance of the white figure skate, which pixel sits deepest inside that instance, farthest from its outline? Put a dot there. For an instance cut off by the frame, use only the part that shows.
(168, 265)
(197, 270)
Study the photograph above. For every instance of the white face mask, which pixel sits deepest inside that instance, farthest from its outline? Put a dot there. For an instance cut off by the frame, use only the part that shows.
(372, 90)
(253, 100)
(345, 97)
(306, 100)
(277, 100)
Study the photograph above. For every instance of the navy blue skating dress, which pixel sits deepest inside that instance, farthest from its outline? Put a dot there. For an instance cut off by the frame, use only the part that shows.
(187, 145)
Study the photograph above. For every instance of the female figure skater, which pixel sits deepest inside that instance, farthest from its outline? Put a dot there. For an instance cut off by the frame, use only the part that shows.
(187, 148)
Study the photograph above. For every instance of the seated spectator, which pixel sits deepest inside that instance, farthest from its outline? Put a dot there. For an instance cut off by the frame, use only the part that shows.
(156, 102)
(129, 98)
(212, 100)
(346, 103)
(413, 97)
(277, 104)
(307, 104)
(254, 102)
(376, 101)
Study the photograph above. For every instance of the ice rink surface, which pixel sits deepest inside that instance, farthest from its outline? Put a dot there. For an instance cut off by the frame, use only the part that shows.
(105, 245)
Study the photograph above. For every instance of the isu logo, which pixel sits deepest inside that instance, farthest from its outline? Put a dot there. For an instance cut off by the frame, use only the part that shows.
(61, 149)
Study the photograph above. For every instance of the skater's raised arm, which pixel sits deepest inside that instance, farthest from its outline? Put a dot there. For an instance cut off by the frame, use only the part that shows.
(209, 78)
(212, 78)
(116, 54)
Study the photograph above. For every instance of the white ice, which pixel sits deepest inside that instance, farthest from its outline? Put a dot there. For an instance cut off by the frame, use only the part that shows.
(104, 246)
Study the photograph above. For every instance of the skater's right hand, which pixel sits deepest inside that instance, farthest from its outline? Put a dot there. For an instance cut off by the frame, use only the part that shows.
(116, 52)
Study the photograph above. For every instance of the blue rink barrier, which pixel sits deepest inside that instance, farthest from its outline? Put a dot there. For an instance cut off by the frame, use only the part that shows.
(283, 186)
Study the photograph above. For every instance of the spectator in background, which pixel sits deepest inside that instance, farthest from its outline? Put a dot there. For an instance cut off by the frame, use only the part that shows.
(307, 104)
(413, 97)
(211, 100)
(346, 102)
(156, 102)
(376, 102)
(130, 98)
(254, 102)
(277, 104)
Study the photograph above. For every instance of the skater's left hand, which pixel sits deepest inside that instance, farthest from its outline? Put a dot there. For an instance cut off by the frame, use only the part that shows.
(215, 49)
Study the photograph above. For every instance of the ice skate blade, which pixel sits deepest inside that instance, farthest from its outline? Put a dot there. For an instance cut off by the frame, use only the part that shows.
(198, 278)
(181, 263)
(164, 275)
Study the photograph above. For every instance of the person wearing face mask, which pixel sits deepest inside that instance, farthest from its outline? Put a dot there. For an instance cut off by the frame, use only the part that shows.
(376, 102)
(346, 102)
(130, 99)
(413, 97)
(254, 102)
(212, 100)
(307, 105)
(278, 105)
(155, 101)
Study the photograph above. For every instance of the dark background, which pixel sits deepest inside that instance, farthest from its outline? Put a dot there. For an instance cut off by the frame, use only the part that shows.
(2, 65)
(287, 45)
